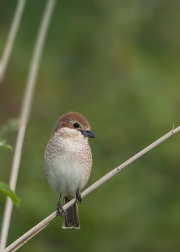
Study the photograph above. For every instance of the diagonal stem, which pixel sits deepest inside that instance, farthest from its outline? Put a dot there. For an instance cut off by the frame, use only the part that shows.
(40, 226)
(11, 37)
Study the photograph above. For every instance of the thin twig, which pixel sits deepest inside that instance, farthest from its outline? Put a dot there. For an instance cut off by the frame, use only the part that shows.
(26, 106)
(11, 37)
(40, 226)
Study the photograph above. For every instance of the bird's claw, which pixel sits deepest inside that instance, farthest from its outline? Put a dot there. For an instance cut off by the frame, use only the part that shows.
(60, 211)
(78, 196)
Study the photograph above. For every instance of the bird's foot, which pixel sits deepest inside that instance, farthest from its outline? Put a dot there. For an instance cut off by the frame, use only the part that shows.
(60, 210)
(78, 196)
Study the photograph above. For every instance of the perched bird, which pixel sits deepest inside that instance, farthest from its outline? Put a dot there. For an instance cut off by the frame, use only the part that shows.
(68, 163)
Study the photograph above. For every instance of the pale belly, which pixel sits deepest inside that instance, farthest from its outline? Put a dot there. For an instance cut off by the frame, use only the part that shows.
(66, 174)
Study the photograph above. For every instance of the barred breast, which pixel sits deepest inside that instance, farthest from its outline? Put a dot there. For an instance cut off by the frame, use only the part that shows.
(67, 162)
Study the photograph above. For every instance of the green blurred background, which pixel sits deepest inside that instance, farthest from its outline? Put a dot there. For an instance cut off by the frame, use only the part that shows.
(117, 63)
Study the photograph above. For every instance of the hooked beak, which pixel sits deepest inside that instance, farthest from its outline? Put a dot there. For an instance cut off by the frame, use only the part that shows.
(88, 133)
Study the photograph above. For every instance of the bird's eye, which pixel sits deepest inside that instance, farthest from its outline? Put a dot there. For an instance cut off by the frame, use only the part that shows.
(76, 125)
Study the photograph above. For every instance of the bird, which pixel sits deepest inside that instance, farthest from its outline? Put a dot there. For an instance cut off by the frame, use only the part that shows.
(68, 163)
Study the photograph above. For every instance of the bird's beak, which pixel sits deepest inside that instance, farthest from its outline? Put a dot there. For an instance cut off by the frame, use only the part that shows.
(88, 133)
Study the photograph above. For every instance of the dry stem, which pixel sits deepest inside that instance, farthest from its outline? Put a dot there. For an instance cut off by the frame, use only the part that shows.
(11, 37)
(28, 235)
(26, 106)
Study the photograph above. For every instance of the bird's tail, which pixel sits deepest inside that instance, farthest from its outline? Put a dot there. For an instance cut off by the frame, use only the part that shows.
(71, 219)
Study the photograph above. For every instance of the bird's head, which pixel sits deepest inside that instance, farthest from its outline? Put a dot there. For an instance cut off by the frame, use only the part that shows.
(76, 122)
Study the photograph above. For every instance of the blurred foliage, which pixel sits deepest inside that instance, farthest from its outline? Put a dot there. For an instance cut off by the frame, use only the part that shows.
(6, 190)
(5, 145)
(117, 63)
(12, 125)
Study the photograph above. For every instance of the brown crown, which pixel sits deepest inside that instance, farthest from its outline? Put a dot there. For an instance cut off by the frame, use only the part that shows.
(66, 120)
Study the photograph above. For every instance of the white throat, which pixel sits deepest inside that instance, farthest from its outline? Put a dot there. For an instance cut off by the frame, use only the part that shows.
(72, 134)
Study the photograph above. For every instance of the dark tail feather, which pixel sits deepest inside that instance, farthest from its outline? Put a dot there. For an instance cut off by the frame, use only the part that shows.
(71, 219)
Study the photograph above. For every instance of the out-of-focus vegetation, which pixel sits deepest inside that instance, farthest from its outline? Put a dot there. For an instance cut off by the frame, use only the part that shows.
(4, 188)
(117, 63)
